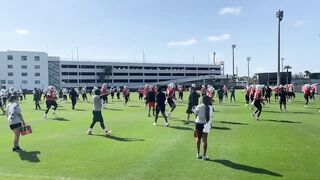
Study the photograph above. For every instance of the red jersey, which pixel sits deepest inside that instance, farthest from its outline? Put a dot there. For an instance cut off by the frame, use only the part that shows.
(258, 95)
(125, 92)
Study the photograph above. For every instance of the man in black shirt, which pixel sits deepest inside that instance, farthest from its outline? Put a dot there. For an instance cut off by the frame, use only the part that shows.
(151, 99)
(233, 94)
(283, 99)
(267, 94)
(193, 102)
(160, 107)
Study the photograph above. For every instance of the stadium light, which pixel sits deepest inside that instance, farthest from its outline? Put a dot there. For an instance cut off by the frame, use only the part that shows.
(280, 17)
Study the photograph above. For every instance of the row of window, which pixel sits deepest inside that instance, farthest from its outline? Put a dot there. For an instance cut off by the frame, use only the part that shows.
(23, 82)
(10, 66)
(139, 67)
(23, 58)
(131, 74)
(24, 74)
(113, 81)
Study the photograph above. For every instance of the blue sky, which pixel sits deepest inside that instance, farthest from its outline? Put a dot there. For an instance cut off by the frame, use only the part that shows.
(167, 30)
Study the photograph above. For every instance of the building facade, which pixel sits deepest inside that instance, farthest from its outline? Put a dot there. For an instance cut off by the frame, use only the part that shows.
(133, 75)
(23, 69)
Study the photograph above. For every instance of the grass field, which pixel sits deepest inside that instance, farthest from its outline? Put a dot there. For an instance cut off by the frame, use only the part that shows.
(279, 146)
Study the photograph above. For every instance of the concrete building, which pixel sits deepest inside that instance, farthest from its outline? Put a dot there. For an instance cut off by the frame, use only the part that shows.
(23, 69)
(27, 70)
(64, 73)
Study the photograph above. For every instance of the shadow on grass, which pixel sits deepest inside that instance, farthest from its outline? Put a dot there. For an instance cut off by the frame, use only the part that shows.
(277, 112)
(230, 104)
(246, 168)
(122, 139)
(221, 128)
(299, 112)
(80, 110)
(59, 119)
(133, 106)
(181, 128)
(234, 123)
(61, 109)
(112, 109)
(281, 121)
(30, 156)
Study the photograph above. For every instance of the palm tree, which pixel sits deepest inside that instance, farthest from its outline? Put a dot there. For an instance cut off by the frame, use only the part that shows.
(287, 68)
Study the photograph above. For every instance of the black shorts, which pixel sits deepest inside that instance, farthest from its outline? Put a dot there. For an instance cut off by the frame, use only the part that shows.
(104, 97)
(199, 129)
(15, 126)
(189, 110)
(283, 102)
(161, 109)
(170, 102)
(97, 116)
(51, 103)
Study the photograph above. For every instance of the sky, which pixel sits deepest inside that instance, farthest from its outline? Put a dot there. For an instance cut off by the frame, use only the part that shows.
(167, 31)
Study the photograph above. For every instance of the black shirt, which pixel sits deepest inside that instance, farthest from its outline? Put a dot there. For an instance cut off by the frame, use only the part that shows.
(151, 96)
(193, 99)
(160, 98)
(283, 95)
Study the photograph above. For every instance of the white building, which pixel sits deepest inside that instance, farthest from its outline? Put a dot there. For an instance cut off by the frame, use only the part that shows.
(23, 69)
(27, 70)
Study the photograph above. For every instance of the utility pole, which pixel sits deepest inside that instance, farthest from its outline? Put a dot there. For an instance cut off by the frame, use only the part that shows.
(214, 58)
(282, 59)
(279, 16)
(233, 47)
(248, 77)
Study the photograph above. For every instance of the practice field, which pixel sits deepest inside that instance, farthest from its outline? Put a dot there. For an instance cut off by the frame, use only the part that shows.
(279, 146)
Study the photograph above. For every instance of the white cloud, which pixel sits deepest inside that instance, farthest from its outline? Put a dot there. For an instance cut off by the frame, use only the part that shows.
(222, 37)
(299, 23)
(22, 31)
(230, 10)
(183, 43)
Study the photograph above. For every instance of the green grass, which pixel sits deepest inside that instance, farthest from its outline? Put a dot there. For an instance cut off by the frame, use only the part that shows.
(279, 146)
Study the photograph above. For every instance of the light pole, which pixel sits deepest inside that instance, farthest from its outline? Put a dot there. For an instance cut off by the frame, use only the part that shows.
(279, 16)
(233, 47)
(282, 59)
(248, 60)
(214, 58)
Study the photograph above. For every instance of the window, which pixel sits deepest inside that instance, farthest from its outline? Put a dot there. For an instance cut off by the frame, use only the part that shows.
(2, 81)
(136, 80)
(86, 67)
(150, 74)
(202, 74)
(37, 67)
(87, 81)
(10, 73)
(24, 58)
(203, 69)
(150, 68)
(120, 67)
(37, 74)
(24, 67)
(150, 80)
(191, 68)
(136, 74)
(101, 67)
(69, 66)
(177, 74)
(37, 58)
(104, 80)
(10, 81)
(87, 73)
(24, 74)
(69, 81)
(216, 69)
(120, 74)
(177, 68)
(24, 81)
(120, 81)
(164, 68)
(135, 67)
(164, 80)
(191, 74)
(10, 57)
(37, 82)
(69, 73)
(10, 66)
(164, 74)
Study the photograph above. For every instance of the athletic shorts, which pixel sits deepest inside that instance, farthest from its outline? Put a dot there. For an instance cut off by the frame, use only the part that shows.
(152, 104)
(51, 103)
(161, 109)
(104, 97)
(97, 116)
(199, 129)
(283, 102)
(189, 110)
(15, 126)
(170, 102)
